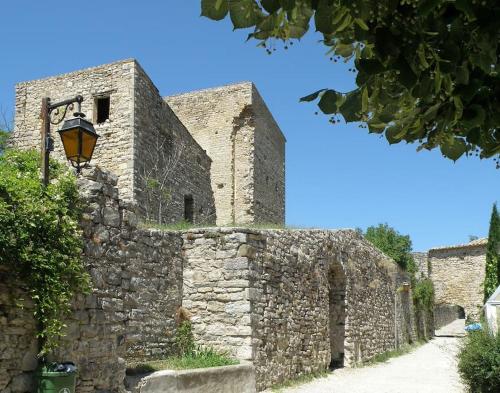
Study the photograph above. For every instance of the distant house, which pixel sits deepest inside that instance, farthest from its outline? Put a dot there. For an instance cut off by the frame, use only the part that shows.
(457, 273)
(492, 311)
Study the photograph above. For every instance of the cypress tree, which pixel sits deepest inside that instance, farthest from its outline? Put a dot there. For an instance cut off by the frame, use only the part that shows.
(492, 276)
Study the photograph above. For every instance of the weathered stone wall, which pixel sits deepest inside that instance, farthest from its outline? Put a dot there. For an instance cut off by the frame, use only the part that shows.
(267, 296)
(422, 265)
(115, 145)
(142, 141)
(166, 151)
(458, 275)
(136, 288)
(246, 146)
(269, 165)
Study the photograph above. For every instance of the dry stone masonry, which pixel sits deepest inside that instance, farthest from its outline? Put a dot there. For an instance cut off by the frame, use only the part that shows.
(247, 148)
(457, 273)
(290, 301)
(295, 301)
(214, 155)
(263, 295)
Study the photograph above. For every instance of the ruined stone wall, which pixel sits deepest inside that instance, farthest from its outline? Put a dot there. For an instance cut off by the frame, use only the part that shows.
(114, 147)
(458, 275)
(269, 165)
(184, 167)
(216, 119)
(422, 265)
(265, 295)
(141, 142)
(246, 146)
(136, 279)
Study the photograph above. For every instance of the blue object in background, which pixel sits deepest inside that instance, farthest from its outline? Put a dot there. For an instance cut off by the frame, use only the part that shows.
(473, 327)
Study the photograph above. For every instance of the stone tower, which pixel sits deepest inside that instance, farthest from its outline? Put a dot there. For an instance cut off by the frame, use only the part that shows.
(233, 124)
(211, 156)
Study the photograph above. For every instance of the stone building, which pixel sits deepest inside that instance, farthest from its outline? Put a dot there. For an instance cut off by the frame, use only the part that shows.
(457, 273)
(210, 156)
(290, 301)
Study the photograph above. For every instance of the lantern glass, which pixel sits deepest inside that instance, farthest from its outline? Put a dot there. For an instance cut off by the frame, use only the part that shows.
(88, 143)
(79, 139)
(70, 142)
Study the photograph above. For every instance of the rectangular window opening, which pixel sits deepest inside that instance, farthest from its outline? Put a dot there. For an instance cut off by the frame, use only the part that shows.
(102, 109)
(188, 208)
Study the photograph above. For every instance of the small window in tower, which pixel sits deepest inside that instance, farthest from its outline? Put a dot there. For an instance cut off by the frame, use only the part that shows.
(102, 109)
(188, 208)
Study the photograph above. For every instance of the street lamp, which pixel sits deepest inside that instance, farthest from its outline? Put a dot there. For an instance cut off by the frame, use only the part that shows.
(77, 135)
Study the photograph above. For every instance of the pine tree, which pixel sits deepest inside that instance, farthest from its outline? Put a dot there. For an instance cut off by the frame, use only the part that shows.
(492, 276)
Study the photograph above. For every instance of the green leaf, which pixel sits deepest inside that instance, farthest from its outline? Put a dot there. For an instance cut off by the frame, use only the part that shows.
(214, 9)
(453, 148)
(364, 100)
(459, 107)
(437, 79)
(474, 116)
(462, 74)
(351, 108)
(376, 126)
(271, 5)
(243, 13)
(421, 56)
(361, 23)
(394, 134)
(406, 75)
(313, 96)
(431, 113)
(328, 102)
(324, 15)
(344, 50)
(370, 66)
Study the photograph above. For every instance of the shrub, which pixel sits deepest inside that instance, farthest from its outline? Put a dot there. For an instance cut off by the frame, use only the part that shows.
(479, 362)
(184, 339)
(423, 294)
(40, 240)
(393, 244)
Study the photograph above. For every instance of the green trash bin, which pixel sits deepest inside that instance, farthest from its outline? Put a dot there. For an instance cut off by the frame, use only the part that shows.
(56, 381)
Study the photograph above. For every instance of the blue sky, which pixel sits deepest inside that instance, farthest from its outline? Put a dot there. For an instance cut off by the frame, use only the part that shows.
(337, 176)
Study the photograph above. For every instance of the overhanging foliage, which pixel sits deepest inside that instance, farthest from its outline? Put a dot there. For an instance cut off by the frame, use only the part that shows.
(428, 70)
(40, 240)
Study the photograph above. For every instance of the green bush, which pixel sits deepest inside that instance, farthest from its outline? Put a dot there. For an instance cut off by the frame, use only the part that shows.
(393, 244)
(479, 362)
(184, 339)
(40, 240)
(423, 294)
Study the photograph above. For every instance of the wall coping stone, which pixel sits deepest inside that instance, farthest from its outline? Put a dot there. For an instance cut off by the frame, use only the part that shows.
(226, 379)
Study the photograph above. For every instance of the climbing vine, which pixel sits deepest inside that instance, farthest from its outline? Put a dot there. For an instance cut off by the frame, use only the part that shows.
(40, 240)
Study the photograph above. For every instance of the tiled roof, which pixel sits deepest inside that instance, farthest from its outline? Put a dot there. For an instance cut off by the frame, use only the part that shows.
(474, 243)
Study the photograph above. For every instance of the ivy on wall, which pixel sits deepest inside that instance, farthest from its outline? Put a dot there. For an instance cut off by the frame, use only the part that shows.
(40, 240)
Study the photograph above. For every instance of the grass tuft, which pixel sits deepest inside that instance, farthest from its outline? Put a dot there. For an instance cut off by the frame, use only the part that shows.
(201, 358)
(385, 356)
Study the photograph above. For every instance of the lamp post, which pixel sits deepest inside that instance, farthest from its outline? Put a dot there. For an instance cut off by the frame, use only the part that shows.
(78, 135)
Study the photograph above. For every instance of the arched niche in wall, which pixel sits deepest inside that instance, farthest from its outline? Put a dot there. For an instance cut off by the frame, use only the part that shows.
(337, 312)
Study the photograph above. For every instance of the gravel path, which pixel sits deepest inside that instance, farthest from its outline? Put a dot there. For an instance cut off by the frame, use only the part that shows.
(429, 369)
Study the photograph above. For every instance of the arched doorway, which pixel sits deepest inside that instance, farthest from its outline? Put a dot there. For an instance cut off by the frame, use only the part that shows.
(445, 314)
(337, 313)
